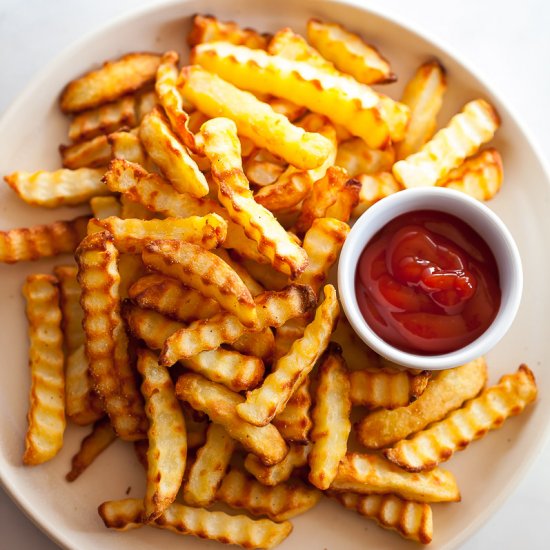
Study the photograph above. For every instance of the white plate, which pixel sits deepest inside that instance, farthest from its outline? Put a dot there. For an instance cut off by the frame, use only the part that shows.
(29, 134)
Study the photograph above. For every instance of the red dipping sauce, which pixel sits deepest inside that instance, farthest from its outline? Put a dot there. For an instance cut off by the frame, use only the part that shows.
(428, 283)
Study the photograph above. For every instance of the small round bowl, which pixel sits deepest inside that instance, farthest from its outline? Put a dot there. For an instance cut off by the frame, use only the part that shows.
(476, 215)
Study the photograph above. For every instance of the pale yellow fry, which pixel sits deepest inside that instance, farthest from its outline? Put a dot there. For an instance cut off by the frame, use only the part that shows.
(106, 341)
(220, 404)
(205, 272)
(46, 414)
(412, 520)
(103, 207)
(101, 436)
(357, 158)
(134, 210)
(373, 474)
(167, 452)
(206, 473)
(130, 268)
(145, 103)
(254, 119)
(373, 188)
(249, 533)
(258, 344)
(441, 440)
(131, 235)
(254, 286)
(263, 403)
(466, 132)
(222, 148)
(236, 371)
(445, 392)
(92, 153)
(424, 96)
(285, 501)
(479, 176)
(113, 80)
(171, 156)
(266, 275)
(331, 419)
(63, 187)
(127, 146)
(69, 302)
(386, 388)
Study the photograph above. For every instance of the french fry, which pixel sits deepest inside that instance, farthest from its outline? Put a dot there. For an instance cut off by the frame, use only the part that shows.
(46, 414)
(69, 302)
(285, 107)
(258, 344)
(373, 188)
(63, 187)
(167, 452)
(263, 403)
(253, 118)
(273, 475)
(103, 207)
(331, 423)
(263, 533)
(266, 275)
(113, 80)
(285, 501)
(131, 235)
(349, 53)
(196, 429)
(412, 520)
(373, 474)
(92, 153)
(205, 272)
(127, 146)
(346, 201)
(134, 210)
(466, 132)
(101, 436)
(236, 371)
(146, 101)
(479, 176)
(222, 148)
(356, 158)
(424, 96)
(425, 450)
(389, 389)
(260, 171)
(130, 268)
(444, 393)
(254, 286)
(206, 473)
(106, 341)
(42, 241)
(171, 156)
(220, 405)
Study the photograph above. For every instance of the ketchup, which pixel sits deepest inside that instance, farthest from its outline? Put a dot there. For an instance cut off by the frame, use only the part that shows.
(428, 283)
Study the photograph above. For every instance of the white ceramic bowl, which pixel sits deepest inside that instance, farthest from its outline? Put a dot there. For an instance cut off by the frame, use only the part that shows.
(478, 216)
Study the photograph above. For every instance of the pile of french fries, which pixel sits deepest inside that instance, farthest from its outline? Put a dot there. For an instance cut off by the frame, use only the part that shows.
(197, 322)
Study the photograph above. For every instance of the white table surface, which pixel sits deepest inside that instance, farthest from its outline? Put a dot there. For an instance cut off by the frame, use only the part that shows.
(508, 42)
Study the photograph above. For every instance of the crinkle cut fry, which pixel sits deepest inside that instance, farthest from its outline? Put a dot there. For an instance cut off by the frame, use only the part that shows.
(92, 153)
(106, 340)
(46, 413)
(294, 421)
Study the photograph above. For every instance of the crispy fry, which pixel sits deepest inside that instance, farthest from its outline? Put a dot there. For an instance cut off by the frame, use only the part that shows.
(266, 275)
(206, 473)
(441, 440)
(412, 520)
(220, 404)
(167, 452)
(134, 210)
(356, 158)
(115, 79)
(444, 393)
(196, 429)
(294, 421)
(106, 340)
(263, 403)
(101, 436)
(373, 474)
(331, 423)
(424, 96)
(92, 153)
(466, 132)
(46, 414)
(59, 188)
(103, 207)
(285, 501)
(127, 146)
(42, 241)
(346, 201)
(373, 188)
(254, 286)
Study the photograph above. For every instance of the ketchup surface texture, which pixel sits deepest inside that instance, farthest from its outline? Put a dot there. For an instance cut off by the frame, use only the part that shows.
(428, 283)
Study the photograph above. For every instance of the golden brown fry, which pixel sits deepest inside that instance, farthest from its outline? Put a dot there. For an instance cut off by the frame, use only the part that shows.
(103, 207)
(42, 241)
(206, 473)
(294, 421)
(101, 436)
(59, 188)
(285, 501)
(167, 452)
(69, 302)
(466, 132)
(92, 153)
(258, 344)
(130, 268)
(263, 403)
(46, 414)
(113, 80)
(331, 423)
(134, 210)
(373, 188)
(373, 474)
(106, 340)
(346, 201)
(445, 392)
(127, 146)
(441, 440)
(220, 404)
(412, 520)
(254, 286)
(146, 101)
(356, 158)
